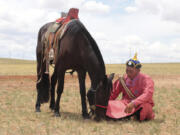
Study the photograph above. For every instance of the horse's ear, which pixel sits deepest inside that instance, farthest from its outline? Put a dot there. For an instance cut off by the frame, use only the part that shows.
(111, 76)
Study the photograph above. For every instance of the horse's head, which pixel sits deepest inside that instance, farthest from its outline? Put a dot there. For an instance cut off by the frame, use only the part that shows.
(98, 100)
(102, 97)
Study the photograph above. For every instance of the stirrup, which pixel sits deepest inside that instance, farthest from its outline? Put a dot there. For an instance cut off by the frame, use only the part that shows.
(51, 54)
(47, 67)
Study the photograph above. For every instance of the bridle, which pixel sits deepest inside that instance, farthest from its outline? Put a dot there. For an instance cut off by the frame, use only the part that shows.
(101, 106)
(96, 108)
(93, 107)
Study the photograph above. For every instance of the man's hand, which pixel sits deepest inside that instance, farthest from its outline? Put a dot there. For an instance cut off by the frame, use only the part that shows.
(129, 107)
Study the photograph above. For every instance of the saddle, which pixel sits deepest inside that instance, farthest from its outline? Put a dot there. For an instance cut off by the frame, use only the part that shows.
(54, 33)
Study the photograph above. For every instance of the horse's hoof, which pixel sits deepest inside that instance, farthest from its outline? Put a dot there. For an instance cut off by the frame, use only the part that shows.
(51, 107)
(38, 110)
(97, 119)
(57, 114)
(86, 116)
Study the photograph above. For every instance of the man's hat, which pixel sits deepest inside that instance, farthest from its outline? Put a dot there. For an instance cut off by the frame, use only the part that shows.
(134, 62)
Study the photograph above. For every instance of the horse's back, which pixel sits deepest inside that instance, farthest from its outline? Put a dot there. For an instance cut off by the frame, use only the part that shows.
(76, 50)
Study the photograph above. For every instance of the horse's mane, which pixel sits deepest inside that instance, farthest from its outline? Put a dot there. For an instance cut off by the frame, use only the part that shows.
(76, 26)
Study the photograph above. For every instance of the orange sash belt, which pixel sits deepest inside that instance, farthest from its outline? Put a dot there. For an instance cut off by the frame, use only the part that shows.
(129, 93)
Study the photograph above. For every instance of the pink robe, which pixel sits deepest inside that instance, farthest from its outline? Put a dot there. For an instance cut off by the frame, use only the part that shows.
(142, 86)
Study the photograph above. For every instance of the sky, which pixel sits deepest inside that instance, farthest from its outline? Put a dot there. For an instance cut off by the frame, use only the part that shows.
(120, 27)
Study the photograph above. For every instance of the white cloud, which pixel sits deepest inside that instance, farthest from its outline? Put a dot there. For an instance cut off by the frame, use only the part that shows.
(171, 10)
(60, 5)
(96, 7)
(83, 5)
(152, 30)
(131, 9)
(168, 9)
(150, 6)
(124, 48)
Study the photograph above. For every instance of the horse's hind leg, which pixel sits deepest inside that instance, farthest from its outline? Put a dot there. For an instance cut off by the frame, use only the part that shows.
(59, 92)
(53, 84)
(38, 104)
(81, 77)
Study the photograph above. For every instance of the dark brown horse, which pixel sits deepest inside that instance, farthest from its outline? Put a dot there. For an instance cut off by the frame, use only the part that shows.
(77, 50)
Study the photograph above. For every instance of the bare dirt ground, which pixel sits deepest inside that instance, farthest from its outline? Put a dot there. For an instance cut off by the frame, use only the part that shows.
(167, 81)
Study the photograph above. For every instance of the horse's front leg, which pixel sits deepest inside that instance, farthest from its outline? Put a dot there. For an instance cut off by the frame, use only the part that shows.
(81, 77)
(53, 84)
(60, 87)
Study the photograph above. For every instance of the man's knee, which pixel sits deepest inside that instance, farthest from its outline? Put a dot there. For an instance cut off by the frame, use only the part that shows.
(146, 112)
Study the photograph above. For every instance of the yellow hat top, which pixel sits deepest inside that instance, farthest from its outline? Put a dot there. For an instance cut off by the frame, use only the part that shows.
(135, 57)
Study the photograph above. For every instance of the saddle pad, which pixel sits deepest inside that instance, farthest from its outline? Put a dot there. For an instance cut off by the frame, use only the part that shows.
(59, 34)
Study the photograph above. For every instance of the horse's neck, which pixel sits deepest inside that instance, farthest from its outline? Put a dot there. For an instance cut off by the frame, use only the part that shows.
(96, 76)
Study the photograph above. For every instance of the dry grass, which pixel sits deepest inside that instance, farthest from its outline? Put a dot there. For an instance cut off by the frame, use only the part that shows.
(18, 96)
(17, 67)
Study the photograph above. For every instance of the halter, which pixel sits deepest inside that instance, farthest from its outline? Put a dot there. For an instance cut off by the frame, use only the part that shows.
(101, 106)
(93, 107)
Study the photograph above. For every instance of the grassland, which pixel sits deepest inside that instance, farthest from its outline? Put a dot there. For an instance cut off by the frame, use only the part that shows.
(17, 67)
(18, 96)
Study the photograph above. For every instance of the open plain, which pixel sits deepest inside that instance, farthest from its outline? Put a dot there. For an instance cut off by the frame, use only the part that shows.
(18, 96)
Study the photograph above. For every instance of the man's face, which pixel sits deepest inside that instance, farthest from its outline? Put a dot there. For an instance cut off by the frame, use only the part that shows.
(131, 72)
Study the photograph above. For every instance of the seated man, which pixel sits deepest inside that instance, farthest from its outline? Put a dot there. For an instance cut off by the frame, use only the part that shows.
(137, 94)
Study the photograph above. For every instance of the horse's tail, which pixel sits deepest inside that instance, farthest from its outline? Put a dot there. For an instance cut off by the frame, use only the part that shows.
(43, 88)
(43, 81)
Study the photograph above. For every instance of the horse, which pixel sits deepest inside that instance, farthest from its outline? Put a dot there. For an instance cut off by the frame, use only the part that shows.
(77, 50)
(99, 102)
